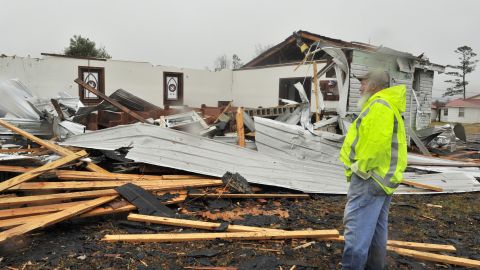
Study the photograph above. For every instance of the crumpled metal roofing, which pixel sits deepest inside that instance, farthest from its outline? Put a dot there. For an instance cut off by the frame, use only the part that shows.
(176, 149)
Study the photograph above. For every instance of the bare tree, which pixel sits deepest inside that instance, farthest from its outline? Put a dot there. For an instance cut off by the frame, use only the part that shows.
(221, 62)
(236, 62)
(260, 48)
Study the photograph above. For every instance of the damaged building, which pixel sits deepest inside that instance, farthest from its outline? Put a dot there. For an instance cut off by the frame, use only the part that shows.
(204, 163)
(262, 82)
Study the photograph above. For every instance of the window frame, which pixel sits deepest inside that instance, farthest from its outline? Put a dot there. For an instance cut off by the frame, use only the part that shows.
(461, 112)
(100, 88)
(179, 100)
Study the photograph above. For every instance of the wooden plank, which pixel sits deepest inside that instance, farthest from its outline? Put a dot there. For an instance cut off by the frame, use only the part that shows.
(57, 108)
(248, 196)
(59, 197)
(103, 210)
(165, 184)
(16, 169)
(22, 150)
(195, 224)
(34, 210)
(417, 141)
(420, 185)
(39, 170)
(240, 128)
(433, 257)
(421, 246)
(411, 245)
(50, 146)
(126, 208)
(111, 101)
(55, 217)
(182, 237)
(239, 228)
(80, 175)
(224, 111)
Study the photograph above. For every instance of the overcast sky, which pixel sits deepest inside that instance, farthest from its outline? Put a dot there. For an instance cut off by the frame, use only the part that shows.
(193, 33)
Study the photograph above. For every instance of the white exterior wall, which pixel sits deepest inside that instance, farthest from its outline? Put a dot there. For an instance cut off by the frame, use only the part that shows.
(50, 75)
(260, 86)
(472, 115)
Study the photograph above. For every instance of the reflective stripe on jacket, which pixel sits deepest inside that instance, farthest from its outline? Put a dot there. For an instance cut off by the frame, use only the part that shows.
(375, 145)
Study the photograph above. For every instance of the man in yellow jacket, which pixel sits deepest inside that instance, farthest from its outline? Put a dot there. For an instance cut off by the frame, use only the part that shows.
(375, 156)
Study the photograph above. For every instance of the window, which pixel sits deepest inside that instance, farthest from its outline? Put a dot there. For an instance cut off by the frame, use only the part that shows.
(95, 77)
(173, 88)
(288, 91)
(461, 112)
(445, 112)
(329, 90)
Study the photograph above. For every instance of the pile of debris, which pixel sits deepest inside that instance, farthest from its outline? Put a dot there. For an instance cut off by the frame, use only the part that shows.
(154, 166)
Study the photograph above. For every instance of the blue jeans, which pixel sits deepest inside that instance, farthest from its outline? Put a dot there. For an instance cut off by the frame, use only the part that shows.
(366, 225)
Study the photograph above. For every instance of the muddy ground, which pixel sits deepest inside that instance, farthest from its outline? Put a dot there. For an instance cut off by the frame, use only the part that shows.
(444, 219)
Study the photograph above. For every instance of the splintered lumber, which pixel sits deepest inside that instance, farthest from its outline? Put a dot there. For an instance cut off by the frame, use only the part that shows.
(240, 128)
(50, 198)
(16, 169)
(422, 186)
(114, 103)
(195, 224)
(433, 257)
(164, 184)
(183, 237)
(48, 145)
(126, 207)
(412, 245)
(21, 150)
(239, 228)
(248, 196)
(99, 211)
(35, 210)
(79, 175)
(55, 217)
(421, 246)
(39, 170)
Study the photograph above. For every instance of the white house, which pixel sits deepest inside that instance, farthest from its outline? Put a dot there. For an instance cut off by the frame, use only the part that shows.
(259, 83)
(461, 110)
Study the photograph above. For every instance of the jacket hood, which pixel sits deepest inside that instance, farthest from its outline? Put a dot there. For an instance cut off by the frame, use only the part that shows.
(395, 95)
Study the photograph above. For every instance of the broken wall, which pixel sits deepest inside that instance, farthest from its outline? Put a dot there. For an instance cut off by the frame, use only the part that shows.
(49, 75)
(362, 62)
(263, 84)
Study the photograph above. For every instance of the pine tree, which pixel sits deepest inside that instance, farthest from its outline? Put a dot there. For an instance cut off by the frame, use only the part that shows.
(466, 66)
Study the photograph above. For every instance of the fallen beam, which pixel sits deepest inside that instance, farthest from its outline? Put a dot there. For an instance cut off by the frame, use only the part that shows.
(99, 211)
(59, 197)
(195, 224)
(22, 150)
(54, 218)
(39, 170)
(239, 228)
(183, 237)
(111, 101)
(164, 184)
(433, 257)
(48, 145)
(248, 196)
(35, 210)
(422, 186)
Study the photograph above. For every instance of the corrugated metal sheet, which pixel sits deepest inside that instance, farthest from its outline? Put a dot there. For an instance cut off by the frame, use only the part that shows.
(175, 149)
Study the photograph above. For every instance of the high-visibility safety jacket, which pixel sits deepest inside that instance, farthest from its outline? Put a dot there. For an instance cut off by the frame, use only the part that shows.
(375, 145)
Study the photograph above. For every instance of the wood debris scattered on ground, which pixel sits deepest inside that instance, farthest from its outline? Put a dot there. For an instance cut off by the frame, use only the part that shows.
(76, 186)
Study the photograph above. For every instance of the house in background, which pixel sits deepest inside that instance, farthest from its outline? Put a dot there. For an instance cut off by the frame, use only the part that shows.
(465, 111)
(262, 82)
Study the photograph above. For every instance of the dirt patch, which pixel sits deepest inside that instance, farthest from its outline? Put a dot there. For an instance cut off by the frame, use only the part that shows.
(76, 244)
